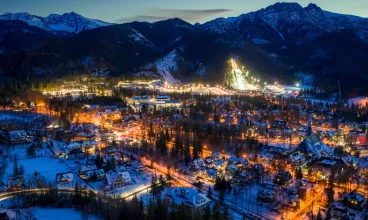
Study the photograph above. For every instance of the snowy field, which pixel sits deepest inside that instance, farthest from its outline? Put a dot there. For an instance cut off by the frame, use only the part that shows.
(47, 165)
(51, 214)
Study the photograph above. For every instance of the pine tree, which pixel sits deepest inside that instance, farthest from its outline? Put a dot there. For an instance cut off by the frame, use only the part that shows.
(184, 212)
(15, 166)
(226, 214)
(167, 136)
(154, 187)
(173, 212)
(216, 215)
(177, 146)
(151, 210)
(77, 196)
(98, 161)
(207, 213)
(330, 190)
(187, 153)
(298, 174)
(141, 205)
(200, 148)
(162, 184)
(21, 170)
(195, 150)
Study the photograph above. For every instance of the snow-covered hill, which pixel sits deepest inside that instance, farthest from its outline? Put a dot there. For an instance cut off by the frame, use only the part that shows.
(68, 22)
(167, 65)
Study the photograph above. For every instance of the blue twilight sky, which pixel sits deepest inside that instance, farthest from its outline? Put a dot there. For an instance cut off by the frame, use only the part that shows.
(153, 10)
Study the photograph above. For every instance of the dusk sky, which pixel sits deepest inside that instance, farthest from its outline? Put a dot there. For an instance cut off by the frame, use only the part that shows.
(119, 11)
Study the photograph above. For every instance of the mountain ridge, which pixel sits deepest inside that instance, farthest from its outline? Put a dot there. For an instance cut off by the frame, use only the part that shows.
(71, 22)
(274, 42)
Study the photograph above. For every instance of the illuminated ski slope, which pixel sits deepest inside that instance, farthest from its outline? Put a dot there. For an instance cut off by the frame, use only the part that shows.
(239, 82)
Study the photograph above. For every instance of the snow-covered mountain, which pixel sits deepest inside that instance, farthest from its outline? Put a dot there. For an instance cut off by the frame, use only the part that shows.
(276, 41)
(287, 22)
(72, 22)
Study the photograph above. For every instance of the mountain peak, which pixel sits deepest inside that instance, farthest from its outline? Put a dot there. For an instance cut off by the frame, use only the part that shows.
(68, 22)
(313, 6)
(72, 13)
(284, 6)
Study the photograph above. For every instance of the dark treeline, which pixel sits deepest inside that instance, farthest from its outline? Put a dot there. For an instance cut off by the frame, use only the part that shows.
(112, 208)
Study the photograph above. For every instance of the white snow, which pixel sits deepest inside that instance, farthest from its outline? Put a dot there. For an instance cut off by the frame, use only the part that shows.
(168, 64)
(47, 165)
(238, 81)
(68, 22)
(260, 41)
(139, 38)
(59, 214)
(178, 39)
(51, 214)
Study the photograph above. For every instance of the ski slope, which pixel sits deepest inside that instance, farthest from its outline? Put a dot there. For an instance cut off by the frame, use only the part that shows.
(239, 82)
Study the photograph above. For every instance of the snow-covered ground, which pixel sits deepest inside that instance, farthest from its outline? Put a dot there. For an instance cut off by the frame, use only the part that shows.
(239, 82)
(168, 64)
(324, 102)
(139, 38)
(47, 165)
(50, 213)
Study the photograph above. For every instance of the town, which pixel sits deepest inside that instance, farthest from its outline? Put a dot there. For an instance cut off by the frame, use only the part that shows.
(200, 151)
(183, 110)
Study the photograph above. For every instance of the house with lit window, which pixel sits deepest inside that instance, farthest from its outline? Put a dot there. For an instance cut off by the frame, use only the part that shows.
(189, 197)
(64, 178)
(313, 147)
(354, 200)
(116, 180)
(18, 137)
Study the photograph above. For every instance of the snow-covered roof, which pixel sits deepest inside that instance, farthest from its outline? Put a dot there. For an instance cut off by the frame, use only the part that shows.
(69, 177)
(17, 134)
(85, 168)
(211, 173)
(296, 156)
(355, 196)
(74, 144)
(112, 176)
(216, 155)
(219, 162)
(187, 196)
(90, 107)
(312, 145)
(98, 172)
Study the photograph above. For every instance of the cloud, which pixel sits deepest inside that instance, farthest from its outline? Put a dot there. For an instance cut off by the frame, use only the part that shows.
(189, 15)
